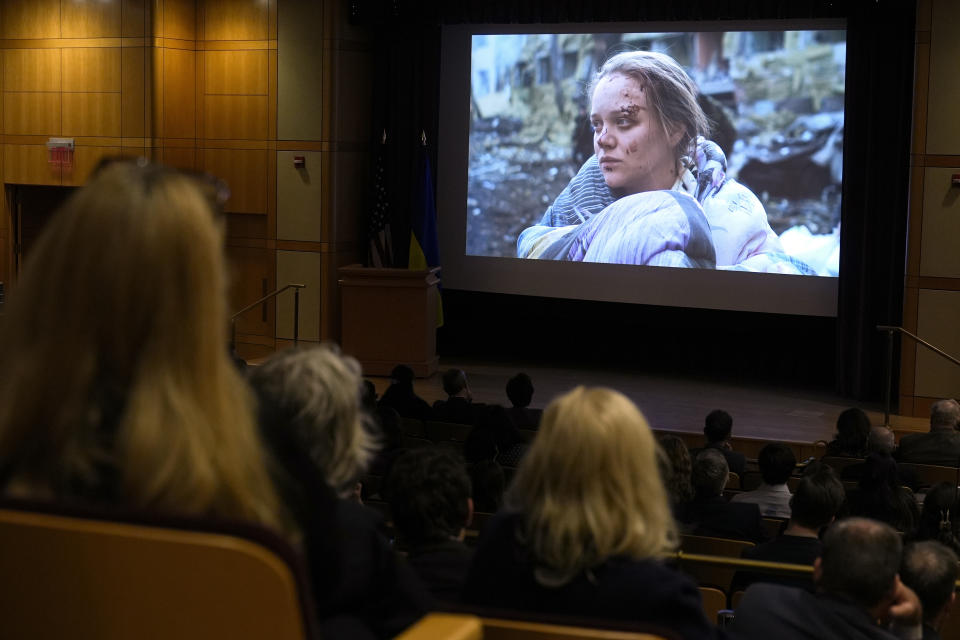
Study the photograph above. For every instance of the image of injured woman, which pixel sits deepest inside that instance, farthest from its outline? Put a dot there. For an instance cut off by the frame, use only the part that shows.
(655, 192)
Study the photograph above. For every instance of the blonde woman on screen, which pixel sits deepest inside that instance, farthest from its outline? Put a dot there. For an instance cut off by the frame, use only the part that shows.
(587, 520)
(115, 383)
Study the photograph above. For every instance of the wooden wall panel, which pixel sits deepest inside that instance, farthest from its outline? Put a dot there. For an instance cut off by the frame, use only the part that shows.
(179, 94)
(179, 19)
(27, 164)
(235, 72)
(100, 19)
(133, 18)
(235, 117)
(943, 130)
(91, 114)
(234, 19)
(179, 157)
(300, 267)
(31, 70)
(31, 113)
(133, 88)
(252, 274)
(85, 158)
(30, 19)
(245, 171)
(91, 69)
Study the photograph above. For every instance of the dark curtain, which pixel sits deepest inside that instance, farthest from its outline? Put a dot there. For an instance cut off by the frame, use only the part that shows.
(876, 167)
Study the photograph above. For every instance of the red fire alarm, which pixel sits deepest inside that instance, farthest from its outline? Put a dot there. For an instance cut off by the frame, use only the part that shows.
(300, 162)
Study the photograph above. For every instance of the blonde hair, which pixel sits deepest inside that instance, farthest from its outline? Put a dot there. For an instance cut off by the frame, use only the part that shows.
(316, 393)
(670, 92)
(589, 488)
(115, 379)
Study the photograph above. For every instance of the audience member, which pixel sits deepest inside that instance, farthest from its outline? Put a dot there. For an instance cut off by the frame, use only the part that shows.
(116, 386)
(429, 495)
(312, 421)
(675, 469)
(708, 514)
(390, 437)
(942, 444)
(586, 524)
(857, 585)
(458, 407)
(850, 441)
(489, 484)
(940, 516)
(818, 498)
(777, 463)
(401, 396)
(520, 394)
(880, 496)
(718, 428)
(930, 569)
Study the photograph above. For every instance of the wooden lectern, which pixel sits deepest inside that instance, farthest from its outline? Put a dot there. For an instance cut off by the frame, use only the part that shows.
(389, 317)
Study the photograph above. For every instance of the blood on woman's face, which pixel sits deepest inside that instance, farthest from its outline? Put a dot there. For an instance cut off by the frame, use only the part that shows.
(632, 147)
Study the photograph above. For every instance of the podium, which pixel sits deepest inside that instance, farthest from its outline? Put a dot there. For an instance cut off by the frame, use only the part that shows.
(389, 317)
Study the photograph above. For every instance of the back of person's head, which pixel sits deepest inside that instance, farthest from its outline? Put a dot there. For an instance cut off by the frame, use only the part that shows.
(879, 474)
(945, 414)
(402, 375)
(940, 516)
(368, 396)
(817, 499)
(520, 390)
(489, 484)
(776, 462)
(853, 426)
(676, 466)
(718, 426)
(585, 488)
(930, 569)
(710, 472)
(881, 440)
(388, 420)
(429, 495)
(116, 378)
(859, 561)
(314, 393)
(454, 381)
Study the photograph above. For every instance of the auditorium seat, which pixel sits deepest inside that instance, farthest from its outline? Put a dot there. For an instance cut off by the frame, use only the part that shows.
(412, 427)
(92, 575)
(929, 474)
(773, 527)
(447, 626)
(705, 574)
(440, 432)
(713, 601)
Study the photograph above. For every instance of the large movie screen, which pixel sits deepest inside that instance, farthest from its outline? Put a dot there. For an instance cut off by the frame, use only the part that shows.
(714, 150)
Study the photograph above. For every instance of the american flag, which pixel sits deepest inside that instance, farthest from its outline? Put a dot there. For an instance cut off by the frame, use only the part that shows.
(380, 249)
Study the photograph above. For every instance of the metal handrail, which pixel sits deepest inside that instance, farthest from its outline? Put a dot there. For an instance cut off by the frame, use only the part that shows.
(296, 312)
(890, 329)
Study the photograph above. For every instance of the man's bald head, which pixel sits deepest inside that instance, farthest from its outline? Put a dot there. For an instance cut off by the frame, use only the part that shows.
(944, 415)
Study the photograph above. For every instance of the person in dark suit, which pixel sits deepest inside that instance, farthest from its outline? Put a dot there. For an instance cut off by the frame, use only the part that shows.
(814, 505)
(942, 444)
(857, 585)
(708, 514)
(428, 491)
(718, 428)
(458, 407)
(401, 397)
(930, 569)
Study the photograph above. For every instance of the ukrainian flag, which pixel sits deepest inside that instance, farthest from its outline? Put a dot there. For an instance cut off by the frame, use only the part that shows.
(424, 243)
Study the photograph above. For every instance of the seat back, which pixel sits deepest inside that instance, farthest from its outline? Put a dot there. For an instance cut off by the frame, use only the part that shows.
(86, 578)
(773, 527)
(929, 474)
(706, 574)
(713, 600)
(447, 626)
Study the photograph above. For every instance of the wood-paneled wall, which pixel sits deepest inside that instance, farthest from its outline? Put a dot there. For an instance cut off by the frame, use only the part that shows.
(193, 84)
(932, 278)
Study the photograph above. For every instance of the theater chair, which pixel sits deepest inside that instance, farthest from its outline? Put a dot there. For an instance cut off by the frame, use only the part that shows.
(705, 574)
(445, 626)
(85, 575)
